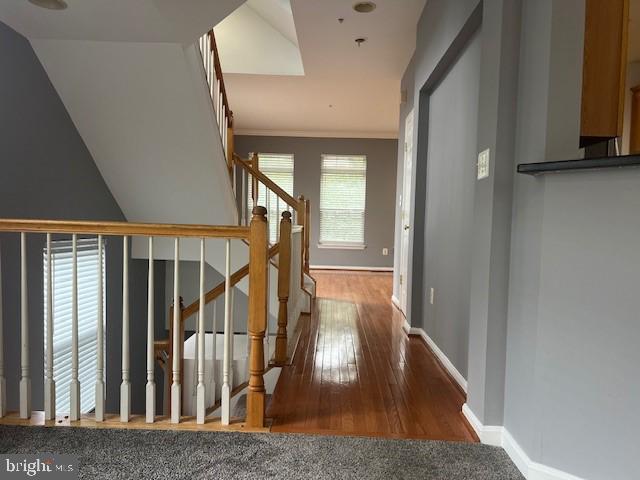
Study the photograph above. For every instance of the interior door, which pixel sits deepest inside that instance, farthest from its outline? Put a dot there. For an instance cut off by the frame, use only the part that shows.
(406, 209)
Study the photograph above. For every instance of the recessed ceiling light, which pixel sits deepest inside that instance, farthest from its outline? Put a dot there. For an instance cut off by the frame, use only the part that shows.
(364, 7)
(50, 4)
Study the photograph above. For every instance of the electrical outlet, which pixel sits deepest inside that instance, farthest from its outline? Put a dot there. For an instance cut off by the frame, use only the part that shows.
(431, 295)
(385, 251)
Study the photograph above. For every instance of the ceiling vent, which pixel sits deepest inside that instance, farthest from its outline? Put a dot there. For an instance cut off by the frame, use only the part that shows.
(364, 7)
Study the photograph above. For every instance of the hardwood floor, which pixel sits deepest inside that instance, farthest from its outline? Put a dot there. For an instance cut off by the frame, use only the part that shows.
(356, 372)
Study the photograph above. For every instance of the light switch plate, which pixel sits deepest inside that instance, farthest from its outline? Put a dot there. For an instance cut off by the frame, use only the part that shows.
(483, 164)
(431, 295)
(385, 251)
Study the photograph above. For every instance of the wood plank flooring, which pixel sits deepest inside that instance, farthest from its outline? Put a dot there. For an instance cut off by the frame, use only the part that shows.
(356, 372)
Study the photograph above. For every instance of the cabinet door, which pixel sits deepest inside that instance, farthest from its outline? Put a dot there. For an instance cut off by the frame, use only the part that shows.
(604, 70)
(634, 146)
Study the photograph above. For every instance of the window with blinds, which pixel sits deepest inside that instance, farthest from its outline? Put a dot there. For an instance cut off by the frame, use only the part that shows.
(343, 185)
(279, 168)
(88, 295)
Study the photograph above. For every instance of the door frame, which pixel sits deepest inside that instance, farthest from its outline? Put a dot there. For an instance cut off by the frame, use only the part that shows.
(405, 209)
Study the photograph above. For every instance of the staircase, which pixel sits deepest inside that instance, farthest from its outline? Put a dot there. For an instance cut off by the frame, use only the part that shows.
(204, 375)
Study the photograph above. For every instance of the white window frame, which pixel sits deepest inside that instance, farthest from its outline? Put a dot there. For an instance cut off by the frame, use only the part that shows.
(342, 245)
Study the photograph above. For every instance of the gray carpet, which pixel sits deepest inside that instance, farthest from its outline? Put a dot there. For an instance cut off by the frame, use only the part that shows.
(141, 454)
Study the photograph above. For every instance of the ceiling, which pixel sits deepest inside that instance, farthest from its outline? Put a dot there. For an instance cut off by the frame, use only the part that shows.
(271, 48)
(118, 20)
(346, 90)
(634, 31)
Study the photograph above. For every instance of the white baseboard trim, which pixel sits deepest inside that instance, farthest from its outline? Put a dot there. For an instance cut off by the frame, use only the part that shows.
(357, 269)
(500, 436)
(453, 371)
(490, 435)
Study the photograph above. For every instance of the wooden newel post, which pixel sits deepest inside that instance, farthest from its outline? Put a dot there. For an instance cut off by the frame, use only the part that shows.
(258, 249)
(284, 269)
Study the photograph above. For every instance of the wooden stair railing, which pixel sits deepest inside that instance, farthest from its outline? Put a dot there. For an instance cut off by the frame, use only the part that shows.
(163, 348)
(300, 207)
(256, 234)
(218, 93)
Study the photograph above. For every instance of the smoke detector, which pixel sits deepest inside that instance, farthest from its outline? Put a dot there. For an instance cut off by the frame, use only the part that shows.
(50, 4)
(364, 7)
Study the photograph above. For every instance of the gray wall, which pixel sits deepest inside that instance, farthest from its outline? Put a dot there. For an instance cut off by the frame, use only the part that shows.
(453, 126)
(47, 172)
(380, 198)
(573, 308)
(552, 304)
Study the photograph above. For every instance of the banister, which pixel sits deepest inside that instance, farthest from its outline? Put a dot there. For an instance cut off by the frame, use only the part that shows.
(218, 290)
(292, 202)
(123, 228)
(218, 68)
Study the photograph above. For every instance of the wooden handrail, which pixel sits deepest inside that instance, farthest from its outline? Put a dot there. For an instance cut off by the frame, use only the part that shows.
(270, 184)
(219, 289)
(218, 68)
(123, 228)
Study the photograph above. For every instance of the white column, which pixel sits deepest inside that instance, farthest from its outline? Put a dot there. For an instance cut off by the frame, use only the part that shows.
(3, 381)
(49, 383)
(201, 389)
(125, 386)
(176, 389)
(74, 384)
(151, 384)
(100, 388)
(226, 361)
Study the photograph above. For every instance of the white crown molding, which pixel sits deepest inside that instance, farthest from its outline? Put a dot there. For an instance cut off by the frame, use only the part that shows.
(500, 437)
(315, 134)
(446, 363)
(357, 269)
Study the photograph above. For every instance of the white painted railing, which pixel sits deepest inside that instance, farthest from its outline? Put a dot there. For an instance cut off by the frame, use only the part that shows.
(257, 272)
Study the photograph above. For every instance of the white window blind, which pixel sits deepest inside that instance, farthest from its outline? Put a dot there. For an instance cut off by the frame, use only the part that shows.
(279, 168)
(87, 312)
(343, 185)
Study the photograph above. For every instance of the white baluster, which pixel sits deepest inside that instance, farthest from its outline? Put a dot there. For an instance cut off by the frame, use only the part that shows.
(74, 384)
(221, 113)
(176, 389)
(3, 381)
(218, 102)
(226, 360)
(201, 389)
(267, 194)
(25, 380)
(49, 383)
(100, 387)
(214, 329)
(277, 218)
(125, 386)
(244, 200)
(223, 133)
(151, 384)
